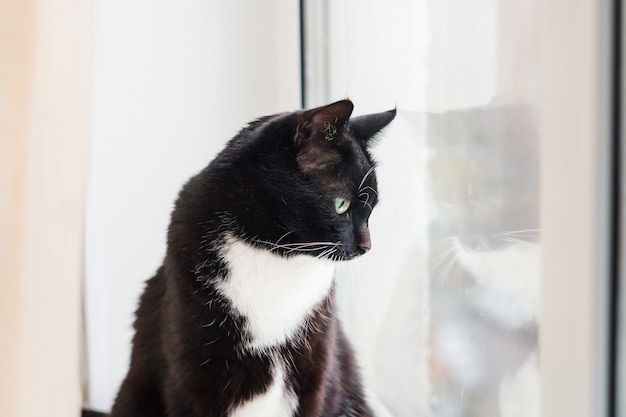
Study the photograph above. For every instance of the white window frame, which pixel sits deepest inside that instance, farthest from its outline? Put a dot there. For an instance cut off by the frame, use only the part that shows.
(575, 206)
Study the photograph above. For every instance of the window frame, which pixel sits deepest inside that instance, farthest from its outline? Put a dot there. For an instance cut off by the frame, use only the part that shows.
(576, 206)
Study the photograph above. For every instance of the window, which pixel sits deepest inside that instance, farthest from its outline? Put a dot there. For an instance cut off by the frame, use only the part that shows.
(447, 312)
(490, 241)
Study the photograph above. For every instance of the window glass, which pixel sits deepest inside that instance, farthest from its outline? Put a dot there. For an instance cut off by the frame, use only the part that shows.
(444, 311)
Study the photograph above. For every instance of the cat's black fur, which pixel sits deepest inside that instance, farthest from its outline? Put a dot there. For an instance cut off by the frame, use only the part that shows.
(274, 187)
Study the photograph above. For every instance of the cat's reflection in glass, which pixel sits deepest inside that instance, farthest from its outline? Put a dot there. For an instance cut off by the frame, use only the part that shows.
(485, 259)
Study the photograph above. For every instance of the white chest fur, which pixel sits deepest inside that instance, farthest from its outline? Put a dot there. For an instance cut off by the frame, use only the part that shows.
(277, 401)
(273, 293)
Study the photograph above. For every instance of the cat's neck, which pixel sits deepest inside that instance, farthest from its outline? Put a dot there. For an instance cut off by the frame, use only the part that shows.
(275, 295)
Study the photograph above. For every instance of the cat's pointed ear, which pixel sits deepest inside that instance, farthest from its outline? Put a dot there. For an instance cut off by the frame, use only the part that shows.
(324, 123)
(317, 133)
(366, 127)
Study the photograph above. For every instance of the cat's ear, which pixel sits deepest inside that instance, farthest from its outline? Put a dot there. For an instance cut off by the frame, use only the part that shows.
(323, 123)
(366, 127)
(317, 131)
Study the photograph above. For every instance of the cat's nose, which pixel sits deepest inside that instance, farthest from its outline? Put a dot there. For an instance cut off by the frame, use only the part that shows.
(364, 247)
(364, 243)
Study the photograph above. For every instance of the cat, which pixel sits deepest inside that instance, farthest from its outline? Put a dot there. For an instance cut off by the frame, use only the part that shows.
(239, 321)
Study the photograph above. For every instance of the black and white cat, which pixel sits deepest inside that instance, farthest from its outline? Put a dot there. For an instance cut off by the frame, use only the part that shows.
(240, 321)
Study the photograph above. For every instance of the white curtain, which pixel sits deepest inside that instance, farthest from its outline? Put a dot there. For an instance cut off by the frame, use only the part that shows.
(45, 84)
(173, 82)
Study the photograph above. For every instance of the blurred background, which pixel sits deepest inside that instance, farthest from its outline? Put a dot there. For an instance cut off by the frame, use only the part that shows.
(108, 107)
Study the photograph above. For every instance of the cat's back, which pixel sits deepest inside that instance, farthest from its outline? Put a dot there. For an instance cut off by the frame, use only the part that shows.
(141, 394)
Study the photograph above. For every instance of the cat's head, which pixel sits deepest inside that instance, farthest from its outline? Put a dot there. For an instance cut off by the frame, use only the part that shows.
(301, 182)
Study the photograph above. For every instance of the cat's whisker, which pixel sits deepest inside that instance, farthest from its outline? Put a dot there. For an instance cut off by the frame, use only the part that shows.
(313, 247)
(369, 188)
(443, 276)
(284, 236)
(526, 238)
(211, 342)
(327, 252)
(458, 272)
(307, 249)
(448, 267)
(334, 253)
(326, 248)
(526, 230)
(365, 203)
(522, 232)
(515, 241)
(295, 245)
(324, 254)
(367, 174)
(209, 324)
(435, 262)
(229, 381)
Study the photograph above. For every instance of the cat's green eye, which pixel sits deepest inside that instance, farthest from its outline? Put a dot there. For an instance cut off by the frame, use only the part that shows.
(341, 205)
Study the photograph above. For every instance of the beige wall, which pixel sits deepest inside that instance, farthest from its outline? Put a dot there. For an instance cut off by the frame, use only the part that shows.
(45, 79)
